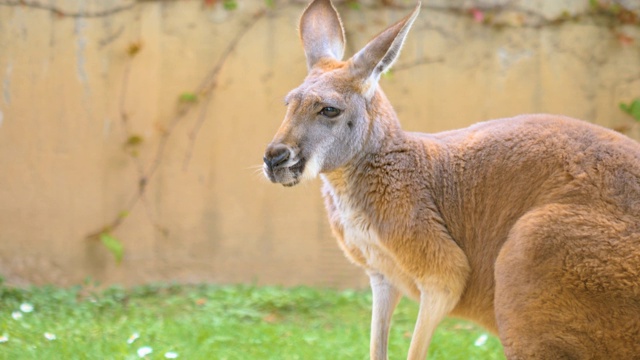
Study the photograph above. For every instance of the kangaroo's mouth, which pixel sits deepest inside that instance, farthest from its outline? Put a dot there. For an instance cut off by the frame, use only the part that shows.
(287, 175)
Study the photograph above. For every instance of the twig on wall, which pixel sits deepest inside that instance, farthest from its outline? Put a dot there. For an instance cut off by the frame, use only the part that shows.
(205, 90)
(66, 13)
(208, 85)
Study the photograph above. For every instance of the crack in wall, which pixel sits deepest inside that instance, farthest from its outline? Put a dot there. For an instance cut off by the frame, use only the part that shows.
(6, 84)
(81, 44)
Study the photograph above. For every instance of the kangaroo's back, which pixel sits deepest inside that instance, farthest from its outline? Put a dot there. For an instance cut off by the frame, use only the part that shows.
(514, 164)
(494, 173)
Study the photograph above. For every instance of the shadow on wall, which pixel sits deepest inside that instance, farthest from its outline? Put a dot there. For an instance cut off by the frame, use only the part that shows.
(132, 133)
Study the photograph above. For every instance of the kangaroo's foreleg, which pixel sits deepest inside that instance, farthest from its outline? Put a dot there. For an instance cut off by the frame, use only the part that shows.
(435, 304)
(385, 299)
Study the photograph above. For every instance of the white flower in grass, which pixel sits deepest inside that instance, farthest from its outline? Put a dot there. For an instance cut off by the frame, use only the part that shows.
(26, 307)
(481, 340)
(133, 338)
(171, 355)
(49, 336)
(16, 315)
(144, 351)
(4, 338)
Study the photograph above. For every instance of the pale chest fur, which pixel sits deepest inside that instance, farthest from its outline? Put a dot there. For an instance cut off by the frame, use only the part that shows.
(360, 241)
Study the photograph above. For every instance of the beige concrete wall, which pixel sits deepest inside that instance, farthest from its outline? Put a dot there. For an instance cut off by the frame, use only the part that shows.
(72, 96)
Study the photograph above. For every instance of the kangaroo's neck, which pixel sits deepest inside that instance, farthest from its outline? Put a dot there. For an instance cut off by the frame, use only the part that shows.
(385, 131)
(392, 176)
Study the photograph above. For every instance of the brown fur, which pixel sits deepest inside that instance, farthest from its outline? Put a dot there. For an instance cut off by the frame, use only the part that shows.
(529, 226)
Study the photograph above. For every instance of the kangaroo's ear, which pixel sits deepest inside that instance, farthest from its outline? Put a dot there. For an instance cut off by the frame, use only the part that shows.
(321, 32)
(381, 52)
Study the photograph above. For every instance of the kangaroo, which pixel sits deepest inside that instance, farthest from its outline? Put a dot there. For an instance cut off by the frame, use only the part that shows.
(529, 226)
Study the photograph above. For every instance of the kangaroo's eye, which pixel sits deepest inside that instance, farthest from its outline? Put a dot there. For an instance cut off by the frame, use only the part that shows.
(330, 112)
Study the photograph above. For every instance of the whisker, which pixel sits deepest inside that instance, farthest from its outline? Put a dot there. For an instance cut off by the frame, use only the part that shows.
(254, 167)
(257, 172)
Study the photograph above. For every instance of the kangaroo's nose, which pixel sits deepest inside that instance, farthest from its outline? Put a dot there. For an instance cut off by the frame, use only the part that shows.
(276, 155)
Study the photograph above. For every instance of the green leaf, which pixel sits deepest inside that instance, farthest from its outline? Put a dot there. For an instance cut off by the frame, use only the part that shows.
(353, 4)
(615, 9)
(188, 97)
(632, 109)
(624, 107)
(270, 3)
(230, 4)
(113, 245)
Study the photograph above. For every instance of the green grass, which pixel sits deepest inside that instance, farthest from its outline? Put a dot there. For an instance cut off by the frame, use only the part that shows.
(213, 322)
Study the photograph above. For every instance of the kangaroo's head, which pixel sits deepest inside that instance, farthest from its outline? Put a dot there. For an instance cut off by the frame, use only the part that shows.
(330, 116)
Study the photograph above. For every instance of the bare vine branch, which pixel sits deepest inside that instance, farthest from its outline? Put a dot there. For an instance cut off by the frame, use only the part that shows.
(205, 88)
(210, 82)
(65, 13)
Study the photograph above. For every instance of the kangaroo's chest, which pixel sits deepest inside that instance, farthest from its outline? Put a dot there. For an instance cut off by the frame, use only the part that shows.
(363, 244)
(360, 236)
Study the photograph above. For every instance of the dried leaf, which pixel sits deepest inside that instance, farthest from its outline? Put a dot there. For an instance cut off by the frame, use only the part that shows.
(624, 39)
(134, 140)
(134, 48)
